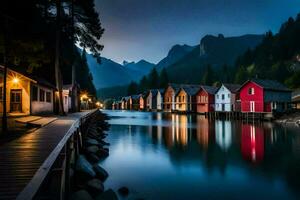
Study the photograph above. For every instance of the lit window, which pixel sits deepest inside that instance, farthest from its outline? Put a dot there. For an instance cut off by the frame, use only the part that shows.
(251, 91)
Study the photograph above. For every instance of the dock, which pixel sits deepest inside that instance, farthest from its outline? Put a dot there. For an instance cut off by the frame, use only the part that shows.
(22, 158)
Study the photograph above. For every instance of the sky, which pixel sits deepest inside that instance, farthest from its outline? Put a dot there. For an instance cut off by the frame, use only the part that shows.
(147, 29)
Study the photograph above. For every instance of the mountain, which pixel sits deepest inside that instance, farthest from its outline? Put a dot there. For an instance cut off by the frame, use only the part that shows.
(175, 54)
(142, 67)
(213, 50)
(110, 73)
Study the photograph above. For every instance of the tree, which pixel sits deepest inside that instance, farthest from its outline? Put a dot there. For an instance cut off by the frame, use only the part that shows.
(144, 84)
(163, 78)
(153, 79)
(241, 75)
(208, 76)
(132, 88)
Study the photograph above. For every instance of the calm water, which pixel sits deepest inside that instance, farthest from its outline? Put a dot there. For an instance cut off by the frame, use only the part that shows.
(169, 156)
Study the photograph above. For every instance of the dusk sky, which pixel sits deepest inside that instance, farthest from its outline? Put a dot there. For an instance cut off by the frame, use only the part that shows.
(147, 29)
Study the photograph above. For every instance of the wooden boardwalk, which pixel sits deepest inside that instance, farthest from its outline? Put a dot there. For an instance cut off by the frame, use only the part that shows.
(22, 157)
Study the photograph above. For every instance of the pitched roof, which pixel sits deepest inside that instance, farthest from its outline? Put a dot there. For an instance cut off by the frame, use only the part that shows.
(189, 89)
(153, 92)
(135, 96)
(271, 85)
(161, 91)
(232, 87)
(209, 89)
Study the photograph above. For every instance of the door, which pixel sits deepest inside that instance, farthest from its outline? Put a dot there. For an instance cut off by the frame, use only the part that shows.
(16, 100)
(252, 106)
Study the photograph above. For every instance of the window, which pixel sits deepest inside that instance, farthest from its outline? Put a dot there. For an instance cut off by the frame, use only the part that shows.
(1, 93)
(183, 98)
(223, 96)
(42, 95)
(66, 100)
(251, 91)
(217, 96)
(48, 97)
(34, 93)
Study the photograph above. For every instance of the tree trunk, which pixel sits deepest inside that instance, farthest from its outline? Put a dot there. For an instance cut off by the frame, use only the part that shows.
(5, 49)
(74, 90)
(58, 77)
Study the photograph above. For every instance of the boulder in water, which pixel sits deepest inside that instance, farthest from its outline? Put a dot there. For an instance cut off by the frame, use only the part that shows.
(107, 195)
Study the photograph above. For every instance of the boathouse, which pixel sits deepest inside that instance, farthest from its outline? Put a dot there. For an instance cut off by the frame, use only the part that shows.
(125, 103)
(160, 99)
(264, 96)
(26, 95)
(185, 99)
(134, 102)
(226, 98)
(296, 99)
(142, 101)
(169, 97)
(152, 99)
(205, 99)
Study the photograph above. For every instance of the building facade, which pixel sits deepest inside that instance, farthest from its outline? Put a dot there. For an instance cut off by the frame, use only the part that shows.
(205, 99)
(226, 98)
(264, 96)
(160, 99)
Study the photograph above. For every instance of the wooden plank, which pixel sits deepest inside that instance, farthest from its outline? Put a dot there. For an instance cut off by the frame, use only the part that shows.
(42, 121)
(25, 120)
(23, 158)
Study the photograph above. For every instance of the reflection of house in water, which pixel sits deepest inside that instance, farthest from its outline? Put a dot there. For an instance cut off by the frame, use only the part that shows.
(252, 142)
(181, 129)
(203, 130)
(223, 134)
(177, 132)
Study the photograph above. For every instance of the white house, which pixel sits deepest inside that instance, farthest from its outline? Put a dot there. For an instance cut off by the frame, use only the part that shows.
(160, 99)
(225, 98)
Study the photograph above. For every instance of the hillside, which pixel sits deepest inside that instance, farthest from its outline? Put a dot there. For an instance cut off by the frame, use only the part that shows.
(277, 57)
(110, 73)
(141, 67)
(175, 54)
(212, 50)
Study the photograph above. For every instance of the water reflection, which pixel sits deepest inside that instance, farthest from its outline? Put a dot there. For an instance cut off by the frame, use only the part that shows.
(197, 157)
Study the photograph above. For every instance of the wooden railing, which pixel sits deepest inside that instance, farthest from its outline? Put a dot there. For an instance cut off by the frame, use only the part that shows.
(53, 178)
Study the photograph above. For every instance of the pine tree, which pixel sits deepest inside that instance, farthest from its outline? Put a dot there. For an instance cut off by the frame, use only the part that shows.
(163, 78)
(132, 88)
(153, 79)
(208, 76)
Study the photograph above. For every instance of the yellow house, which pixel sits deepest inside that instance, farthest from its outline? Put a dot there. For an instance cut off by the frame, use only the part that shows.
(25, 95)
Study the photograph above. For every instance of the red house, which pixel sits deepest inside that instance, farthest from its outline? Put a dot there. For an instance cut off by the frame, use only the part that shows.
(264, 96)
(205, 99)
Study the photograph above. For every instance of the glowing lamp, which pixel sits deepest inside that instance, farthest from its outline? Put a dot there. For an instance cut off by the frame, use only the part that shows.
(15, 80)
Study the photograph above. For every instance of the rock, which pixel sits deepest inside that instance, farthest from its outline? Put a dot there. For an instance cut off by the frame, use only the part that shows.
(107, 195)
(102, 153)
(95, 187)
(124, 191)
(92, 149)
(103, 142)
(100, 172)
(84, 170)
(81, 195)
(90, 142)
(92, 157)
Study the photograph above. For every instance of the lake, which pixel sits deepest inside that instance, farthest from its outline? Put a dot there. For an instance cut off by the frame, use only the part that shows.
(172, 156)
